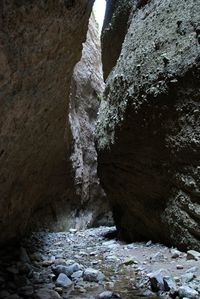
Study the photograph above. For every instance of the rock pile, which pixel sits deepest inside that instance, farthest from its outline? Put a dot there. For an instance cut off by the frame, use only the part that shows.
(84, 264)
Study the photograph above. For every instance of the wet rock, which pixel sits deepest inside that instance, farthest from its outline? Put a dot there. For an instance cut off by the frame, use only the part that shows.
(93, 275)
(185, 291)
(63, 281)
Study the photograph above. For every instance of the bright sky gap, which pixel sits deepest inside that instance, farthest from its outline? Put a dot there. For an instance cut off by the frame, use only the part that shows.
(99, 11)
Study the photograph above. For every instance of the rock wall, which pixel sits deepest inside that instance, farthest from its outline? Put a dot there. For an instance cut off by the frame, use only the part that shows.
(86, 92)
(40, 42)
(114, 30)
(148, 126)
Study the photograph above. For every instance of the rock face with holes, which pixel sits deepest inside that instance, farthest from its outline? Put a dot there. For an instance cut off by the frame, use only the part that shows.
(149, 123)
(86, 92)
(40, 43)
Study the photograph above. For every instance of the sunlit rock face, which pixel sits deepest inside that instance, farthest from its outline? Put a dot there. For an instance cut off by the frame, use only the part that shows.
(41, 41)
(149, 123)
(86, 93)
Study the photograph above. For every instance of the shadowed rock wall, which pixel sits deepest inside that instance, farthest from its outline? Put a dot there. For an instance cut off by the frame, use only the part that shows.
(148, 126)
(114, 30)
(40, 42)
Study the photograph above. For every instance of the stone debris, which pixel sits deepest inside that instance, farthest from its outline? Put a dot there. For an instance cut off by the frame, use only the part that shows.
(87, 265)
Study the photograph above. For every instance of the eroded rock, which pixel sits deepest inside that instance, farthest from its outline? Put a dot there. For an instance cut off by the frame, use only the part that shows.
(148, 126)
(41, 42)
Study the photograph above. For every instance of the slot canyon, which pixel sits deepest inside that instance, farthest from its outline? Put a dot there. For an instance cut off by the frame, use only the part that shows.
(99, 149)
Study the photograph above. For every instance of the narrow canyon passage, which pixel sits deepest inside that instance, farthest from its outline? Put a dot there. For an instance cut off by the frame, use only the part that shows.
(99, 149)
(93, 264)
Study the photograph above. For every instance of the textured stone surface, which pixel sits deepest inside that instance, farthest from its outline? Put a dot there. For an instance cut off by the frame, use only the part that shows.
(40, 42)
(148, 126)
(114, 30)
(86, 92)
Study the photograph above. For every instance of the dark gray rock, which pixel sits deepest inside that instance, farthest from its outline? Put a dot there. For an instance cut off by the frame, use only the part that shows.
(46, 294)
(68, 270)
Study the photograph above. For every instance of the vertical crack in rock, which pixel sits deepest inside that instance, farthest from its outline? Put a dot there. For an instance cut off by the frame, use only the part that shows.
(86, 92)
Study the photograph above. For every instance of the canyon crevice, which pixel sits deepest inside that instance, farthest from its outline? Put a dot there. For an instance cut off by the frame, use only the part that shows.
(147, 127)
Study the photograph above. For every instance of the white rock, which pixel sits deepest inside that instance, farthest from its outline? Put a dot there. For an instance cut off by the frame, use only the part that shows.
(175, 253)
(108, 295)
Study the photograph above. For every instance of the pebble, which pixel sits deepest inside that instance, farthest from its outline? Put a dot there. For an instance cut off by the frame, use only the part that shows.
(63, 281)
(93, 275)
(46, 270)
(149, 243)
(108, 295)
(175, 253)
